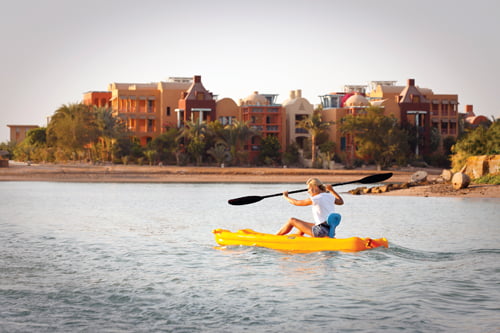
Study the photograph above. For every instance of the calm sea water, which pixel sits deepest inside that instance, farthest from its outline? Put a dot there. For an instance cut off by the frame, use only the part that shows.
(142, 258)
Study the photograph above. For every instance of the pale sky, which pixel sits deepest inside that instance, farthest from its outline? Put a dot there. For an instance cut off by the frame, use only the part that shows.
(53, 51)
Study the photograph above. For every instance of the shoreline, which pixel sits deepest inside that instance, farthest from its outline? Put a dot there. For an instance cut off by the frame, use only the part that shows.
(210, 174)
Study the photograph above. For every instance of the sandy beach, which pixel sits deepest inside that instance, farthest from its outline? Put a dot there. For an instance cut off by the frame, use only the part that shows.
(188, 174)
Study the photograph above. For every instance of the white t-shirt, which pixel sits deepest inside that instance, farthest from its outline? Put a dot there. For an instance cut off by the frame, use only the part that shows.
(323, 204)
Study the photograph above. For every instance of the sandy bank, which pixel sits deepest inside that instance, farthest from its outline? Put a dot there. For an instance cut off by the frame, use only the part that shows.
(176, 174)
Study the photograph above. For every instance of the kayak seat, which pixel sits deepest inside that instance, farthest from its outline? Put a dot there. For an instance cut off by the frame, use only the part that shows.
(333, 221)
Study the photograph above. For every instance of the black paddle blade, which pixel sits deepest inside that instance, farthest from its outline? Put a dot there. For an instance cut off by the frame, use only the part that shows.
(245, 200)
(375, 178)
(255, 198)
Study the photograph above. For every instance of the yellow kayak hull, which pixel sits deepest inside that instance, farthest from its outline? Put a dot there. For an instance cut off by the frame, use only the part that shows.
(296, 243)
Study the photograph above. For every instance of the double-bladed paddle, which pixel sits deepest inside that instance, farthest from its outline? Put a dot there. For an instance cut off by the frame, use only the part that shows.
(255, 198)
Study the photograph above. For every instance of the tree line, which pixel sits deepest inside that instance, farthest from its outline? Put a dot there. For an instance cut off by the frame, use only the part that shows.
(78, 132)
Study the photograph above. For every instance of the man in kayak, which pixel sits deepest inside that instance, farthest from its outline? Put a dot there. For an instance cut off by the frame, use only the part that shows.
(323, 199)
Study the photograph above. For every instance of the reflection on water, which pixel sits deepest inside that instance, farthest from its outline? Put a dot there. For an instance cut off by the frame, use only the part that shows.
(141, 257)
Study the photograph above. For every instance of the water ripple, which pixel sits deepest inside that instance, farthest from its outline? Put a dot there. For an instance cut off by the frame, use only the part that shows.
(136, 257)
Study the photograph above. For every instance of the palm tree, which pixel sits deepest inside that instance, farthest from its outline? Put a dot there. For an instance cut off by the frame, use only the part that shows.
(220, 153)
(314, 126)
(194, 133)
(71, 128)
(377, 137)
(235, 134)
(110, 129)
(214, 133)
(165, 144)
(150, 155)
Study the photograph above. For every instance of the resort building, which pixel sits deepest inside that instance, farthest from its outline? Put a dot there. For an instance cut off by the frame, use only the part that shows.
(420, 108)
(196, 104)
(296, 108)
(266, 116)
(148, 108)
(227, 111)
(18, 132)
(472, 120)
(101, 99)
(411, 105)
(336, 106)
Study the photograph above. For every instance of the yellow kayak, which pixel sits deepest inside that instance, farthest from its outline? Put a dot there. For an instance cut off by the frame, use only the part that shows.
(296, 243)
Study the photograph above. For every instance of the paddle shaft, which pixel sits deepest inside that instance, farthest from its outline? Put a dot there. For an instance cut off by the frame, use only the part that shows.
(305, 189)
(254, 198)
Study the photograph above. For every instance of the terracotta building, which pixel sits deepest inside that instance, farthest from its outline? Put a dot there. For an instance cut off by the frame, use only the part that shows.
(263, 113)
(411, 105)
(421, 108)
(148, 108)
(336, 106)
(227, 111)
(196, 104)
(472, 120)
(97, 98)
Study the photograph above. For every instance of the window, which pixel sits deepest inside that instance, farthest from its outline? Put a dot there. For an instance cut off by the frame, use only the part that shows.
(335, 101)
(168, 111)
(226, 120)
(343, 143)
(444, 109)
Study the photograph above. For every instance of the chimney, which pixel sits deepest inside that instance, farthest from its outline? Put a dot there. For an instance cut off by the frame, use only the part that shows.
(411, 82)
(197, 79)
(298, 93)
(292, 94)
(469, 110)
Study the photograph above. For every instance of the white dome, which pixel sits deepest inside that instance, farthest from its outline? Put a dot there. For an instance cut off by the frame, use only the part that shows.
(356, 100)
(255, 99)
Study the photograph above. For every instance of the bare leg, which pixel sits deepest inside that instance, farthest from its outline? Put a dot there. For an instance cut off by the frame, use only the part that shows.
(302, 226)
(286, 228)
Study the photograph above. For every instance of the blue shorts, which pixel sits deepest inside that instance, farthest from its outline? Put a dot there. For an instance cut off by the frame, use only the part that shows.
(320, 230)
